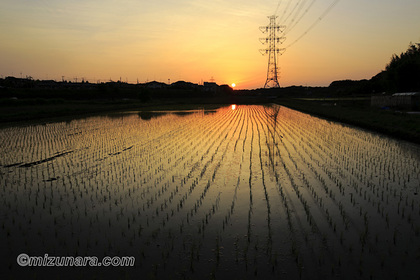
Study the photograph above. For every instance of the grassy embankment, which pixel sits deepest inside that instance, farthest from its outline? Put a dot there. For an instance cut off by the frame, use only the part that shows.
(358, 112)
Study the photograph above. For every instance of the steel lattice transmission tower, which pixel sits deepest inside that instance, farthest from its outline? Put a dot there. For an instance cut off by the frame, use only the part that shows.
(273, 40)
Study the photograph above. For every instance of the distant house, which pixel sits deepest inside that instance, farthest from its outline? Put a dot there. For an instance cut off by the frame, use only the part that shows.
(156, 85)
(210, 87)
(407, 100)
(47, 84)
(402, 100)
(183, 85)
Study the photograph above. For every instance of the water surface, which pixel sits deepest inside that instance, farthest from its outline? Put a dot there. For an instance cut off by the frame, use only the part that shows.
(243, 191)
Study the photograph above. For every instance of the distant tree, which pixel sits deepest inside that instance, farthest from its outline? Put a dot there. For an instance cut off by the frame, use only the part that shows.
(379, 82)
(403, 71)
(346, 87)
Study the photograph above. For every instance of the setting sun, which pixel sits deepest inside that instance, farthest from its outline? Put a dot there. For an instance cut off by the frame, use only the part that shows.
(233, 85)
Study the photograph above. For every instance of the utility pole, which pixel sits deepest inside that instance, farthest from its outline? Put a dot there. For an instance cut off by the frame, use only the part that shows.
(273, 51)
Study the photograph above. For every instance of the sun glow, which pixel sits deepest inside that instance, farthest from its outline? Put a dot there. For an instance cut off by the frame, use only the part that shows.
(233, 85)
(233, 107)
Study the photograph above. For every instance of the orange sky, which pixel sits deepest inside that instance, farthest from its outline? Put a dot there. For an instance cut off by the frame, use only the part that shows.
(200, 40)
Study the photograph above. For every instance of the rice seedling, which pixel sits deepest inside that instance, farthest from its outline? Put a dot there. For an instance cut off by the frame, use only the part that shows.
(237, 188)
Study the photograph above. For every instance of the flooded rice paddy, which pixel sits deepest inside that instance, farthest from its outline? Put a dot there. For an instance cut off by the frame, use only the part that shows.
(239, 192)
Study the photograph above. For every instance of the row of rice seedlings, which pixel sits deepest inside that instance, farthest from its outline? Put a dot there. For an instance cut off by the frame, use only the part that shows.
(240, 128)
(206, 223)
(168, 201)
(76, 185)
(371, 186)
(401, 162)
(177, 163)
(112, 190)
(375, 191)
(321, 216)
(248, 248)
(275, 222)
(254, 195)
(301, 255)
(313, 191)
(330, 210)
(269, 245)
(305, 254)
(230, 207)
(364, 180)
(205, 220)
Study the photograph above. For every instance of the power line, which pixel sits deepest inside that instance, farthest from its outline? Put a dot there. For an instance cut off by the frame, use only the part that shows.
(315, 23)
(291, 12)
(297, 12)
(278, 6)
(290, 28)
(285, 10)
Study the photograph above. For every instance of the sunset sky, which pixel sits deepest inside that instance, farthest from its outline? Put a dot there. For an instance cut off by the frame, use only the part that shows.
(197, 40)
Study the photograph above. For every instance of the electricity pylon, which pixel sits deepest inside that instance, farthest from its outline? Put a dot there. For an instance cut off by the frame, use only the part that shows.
(273, 40)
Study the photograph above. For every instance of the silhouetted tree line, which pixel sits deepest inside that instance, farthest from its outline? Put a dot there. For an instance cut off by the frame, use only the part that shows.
(346, 87)
(11, 87)
(401, 74)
